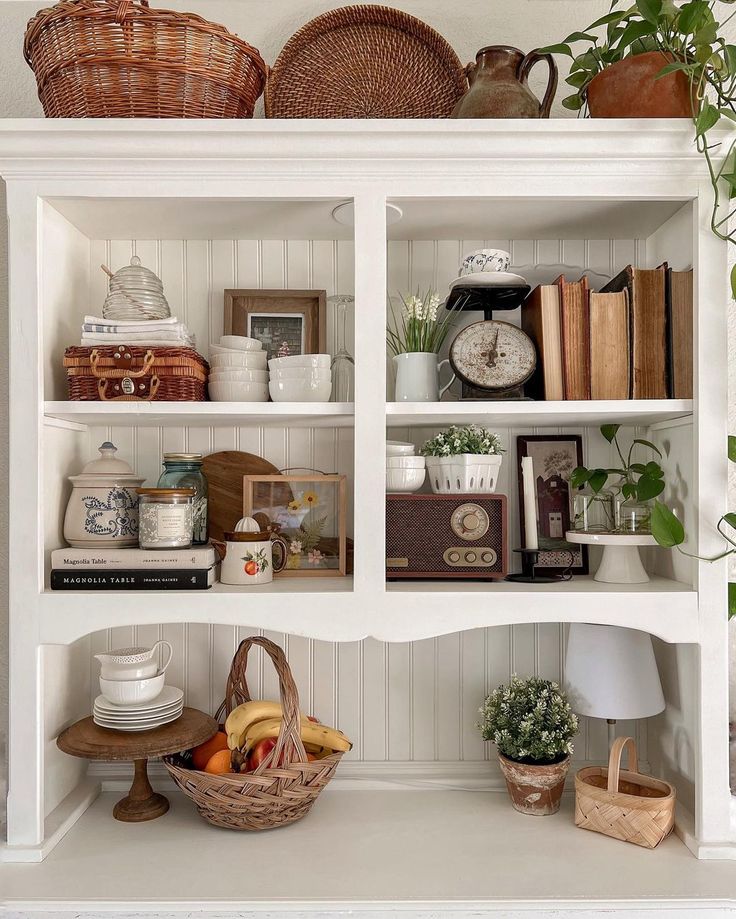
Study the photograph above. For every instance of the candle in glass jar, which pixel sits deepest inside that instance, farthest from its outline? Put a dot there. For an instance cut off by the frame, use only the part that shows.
(530, 504)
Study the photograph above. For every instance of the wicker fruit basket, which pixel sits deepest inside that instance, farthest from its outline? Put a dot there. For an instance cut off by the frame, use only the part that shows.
(122, 59)
(121, 374)
(626, 805)
(270, 796)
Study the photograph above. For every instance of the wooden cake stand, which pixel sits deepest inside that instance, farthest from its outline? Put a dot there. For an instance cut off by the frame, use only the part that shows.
(88, 740)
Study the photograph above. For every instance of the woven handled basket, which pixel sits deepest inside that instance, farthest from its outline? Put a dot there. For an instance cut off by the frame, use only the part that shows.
(121, 59)
(270, 796)
(625, 805)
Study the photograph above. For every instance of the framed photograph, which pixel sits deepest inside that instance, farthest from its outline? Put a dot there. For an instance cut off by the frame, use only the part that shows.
(286, 322)
(554, 457)
(309, 513)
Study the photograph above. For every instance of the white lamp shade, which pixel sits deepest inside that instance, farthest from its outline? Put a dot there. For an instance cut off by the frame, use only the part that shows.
(611, 673)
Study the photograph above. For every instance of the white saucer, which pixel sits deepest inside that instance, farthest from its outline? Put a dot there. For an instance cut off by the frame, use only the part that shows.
(169, 695)
(137, 716)
(137, 726)
(489, 279)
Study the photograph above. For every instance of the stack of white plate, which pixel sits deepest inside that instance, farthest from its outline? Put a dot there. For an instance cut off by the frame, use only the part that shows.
(144, 716)
(300, 378)
(238, 370)
(404, 471)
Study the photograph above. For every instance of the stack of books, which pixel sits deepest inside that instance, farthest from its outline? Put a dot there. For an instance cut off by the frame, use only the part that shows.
(134, 569)
(631, 340)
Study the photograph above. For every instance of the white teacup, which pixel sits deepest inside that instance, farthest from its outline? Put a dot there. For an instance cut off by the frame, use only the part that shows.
(485, 260)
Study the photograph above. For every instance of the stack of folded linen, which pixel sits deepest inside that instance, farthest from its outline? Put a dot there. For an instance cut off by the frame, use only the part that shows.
(159, 333)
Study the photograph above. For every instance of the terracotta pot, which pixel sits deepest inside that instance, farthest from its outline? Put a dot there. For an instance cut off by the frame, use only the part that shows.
(535, 790)
(499, 87)
(628, 89)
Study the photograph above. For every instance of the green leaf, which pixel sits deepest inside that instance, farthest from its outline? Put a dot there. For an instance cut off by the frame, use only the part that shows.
(597, 480)
(633, 32)
(650, 10)
(628, 490)
(638, 468)
(705, 36)
(709, 117)
(676, 65)
(666, 528)
(573, 102)
(616, 16)
(559, 48)
(578, 79)
(648, 487)
(729, 114)
(732, 448)
(730, 54)
(692, 15)
(609, 431)
(580, 36)
(654, 470)
(730, 520)
(733, 282)
(648, 443)
(731, 600)
(579, 476)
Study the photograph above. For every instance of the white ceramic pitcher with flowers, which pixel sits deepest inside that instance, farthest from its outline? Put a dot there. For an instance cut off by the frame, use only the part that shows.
(415, 336)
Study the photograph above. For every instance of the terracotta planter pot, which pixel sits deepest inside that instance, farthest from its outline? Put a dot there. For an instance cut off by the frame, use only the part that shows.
(628, 89)
(535, 790)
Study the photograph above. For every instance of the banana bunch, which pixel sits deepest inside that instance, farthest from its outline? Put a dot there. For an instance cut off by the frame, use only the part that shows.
(254, 721)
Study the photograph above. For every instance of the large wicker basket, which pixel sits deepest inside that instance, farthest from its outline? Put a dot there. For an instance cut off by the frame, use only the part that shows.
(270, 796)
(365, 61)
(121, 59)
(626, 805)
(121, 374)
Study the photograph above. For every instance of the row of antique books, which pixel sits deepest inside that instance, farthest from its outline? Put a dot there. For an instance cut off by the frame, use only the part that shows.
(134, 569)
(633, 339)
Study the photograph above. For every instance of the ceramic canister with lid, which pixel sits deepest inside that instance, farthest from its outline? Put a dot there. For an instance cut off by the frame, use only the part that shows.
(166, 518)
(103, 507)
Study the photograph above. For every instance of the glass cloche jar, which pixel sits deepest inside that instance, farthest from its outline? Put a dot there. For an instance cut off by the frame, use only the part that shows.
(135, 293)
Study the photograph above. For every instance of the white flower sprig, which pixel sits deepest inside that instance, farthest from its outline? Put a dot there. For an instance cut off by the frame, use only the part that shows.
(420, 326)
(469, 439)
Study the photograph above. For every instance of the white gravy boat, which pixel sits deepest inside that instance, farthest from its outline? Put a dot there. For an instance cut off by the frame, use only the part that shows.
(132, 663)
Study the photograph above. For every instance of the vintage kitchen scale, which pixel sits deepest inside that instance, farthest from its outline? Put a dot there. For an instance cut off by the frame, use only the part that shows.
(493, 359)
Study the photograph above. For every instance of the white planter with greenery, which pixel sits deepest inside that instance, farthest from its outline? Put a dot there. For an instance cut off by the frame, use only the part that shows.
(463, 461)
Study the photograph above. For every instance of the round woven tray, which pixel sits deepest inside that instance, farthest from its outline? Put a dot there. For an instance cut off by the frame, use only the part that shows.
(270, 796)
(121, 59)
(365, 62)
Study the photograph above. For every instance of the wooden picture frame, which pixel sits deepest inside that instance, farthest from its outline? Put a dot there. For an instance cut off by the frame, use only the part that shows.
(244, 307)
(271, 505)
(564, 449)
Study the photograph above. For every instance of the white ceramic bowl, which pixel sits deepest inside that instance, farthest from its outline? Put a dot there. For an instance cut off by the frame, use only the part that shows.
(484, 260)
(131, 692)
(404, 480)
(301, 373)
(300, 390)
(235, 375)
(301, 360)
(233, 391)
(240, 343)
(399, 448)
(240, 360)
(405, 462)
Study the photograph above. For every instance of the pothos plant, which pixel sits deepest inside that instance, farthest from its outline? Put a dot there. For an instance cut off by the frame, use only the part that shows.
(640, 481)
(691, 38)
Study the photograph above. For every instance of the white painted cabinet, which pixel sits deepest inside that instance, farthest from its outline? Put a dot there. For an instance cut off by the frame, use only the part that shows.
(400, 666)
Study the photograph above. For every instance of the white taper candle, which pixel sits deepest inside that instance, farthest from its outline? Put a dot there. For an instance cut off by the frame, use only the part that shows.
(530, 504)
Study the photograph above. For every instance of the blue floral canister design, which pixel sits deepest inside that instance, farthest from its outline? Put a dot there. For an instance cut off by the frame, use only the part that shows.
(103, 506)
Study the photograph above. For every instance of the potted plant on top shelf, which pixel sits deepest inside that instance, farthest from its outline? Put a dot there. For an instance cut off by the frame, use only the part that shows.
(660, 59)
(532, 724)
(463, 460)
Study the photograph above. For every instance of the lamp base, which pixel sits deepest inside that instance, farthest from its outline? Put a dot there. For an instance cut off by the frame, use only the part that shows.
(528, 573)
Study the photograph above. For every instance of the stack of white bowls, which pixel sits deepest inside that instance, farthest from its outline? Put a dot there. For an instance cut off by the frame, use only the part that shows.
(300, 378)
(238, 370)
(404, 470)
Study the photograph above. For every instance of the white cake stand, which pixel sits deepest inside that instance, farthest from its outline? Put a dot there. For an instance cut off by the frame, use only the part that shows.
(621, 563)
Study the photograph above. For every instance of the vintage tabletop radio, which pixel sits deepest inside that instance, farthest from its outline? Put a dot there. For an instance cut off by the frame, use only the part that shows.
(446, 536)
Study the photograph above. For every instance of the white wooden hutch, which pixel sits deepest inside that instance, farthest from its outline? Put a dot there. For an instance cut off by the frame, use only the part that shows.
(210, 205)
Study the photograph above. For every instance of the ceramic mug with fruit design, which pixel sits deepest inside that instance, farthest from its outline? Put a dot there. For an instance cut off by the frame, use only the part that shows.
(249, 555)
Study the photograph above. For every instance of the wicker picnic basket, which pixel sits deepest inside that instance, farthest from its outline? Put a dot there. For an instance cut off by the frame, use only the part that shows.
(365, 62)
(122, 59)
(626, 805)
(112, 373)
(270, 796)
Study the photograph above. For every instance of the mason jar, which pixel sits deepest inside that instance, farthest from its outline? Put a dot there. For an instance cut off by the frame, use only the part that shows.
(593, 511)
(184, 470)
(633, 516)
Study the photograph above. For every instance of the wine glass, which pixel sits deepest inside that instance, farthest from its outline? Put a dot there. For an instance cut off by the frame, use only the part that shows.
(343, 364)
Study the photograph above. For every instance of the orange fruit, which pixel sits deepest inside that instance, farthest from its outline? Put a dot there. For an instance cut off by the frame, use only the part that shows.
(219, 763)
(201, 755)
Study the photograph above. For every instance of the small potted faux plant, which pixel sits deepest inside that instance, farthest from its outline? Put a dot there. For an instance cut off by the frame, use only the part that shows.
(532, 724)
(463, 460)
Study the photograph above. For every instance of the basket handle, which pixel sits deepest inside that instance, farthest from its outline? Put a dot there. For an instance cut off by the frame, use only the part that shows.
(614, 760)
(289, 747)
(122, 365)
(124, 8)
(152, 390)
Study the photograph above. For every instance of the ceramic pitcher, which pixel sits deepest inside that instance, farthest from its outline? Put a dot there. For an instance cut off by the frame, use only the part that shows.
(499, 85)
(418, 377)
(249, 555)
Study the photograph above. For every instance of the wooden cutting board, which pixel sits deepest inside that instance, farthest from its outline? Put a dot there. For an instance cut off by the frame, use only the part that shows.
(225, 473)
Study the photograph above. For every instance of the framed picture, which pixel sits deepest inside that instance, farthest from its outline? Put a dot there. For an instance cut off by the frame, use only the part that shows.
(554, 457)
(286, 322)
(309, 512)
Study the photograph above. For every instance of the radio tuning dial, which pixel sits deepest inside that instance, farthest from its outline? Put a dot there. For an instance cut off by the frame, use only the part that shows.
(469, 521)
(470, 557)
